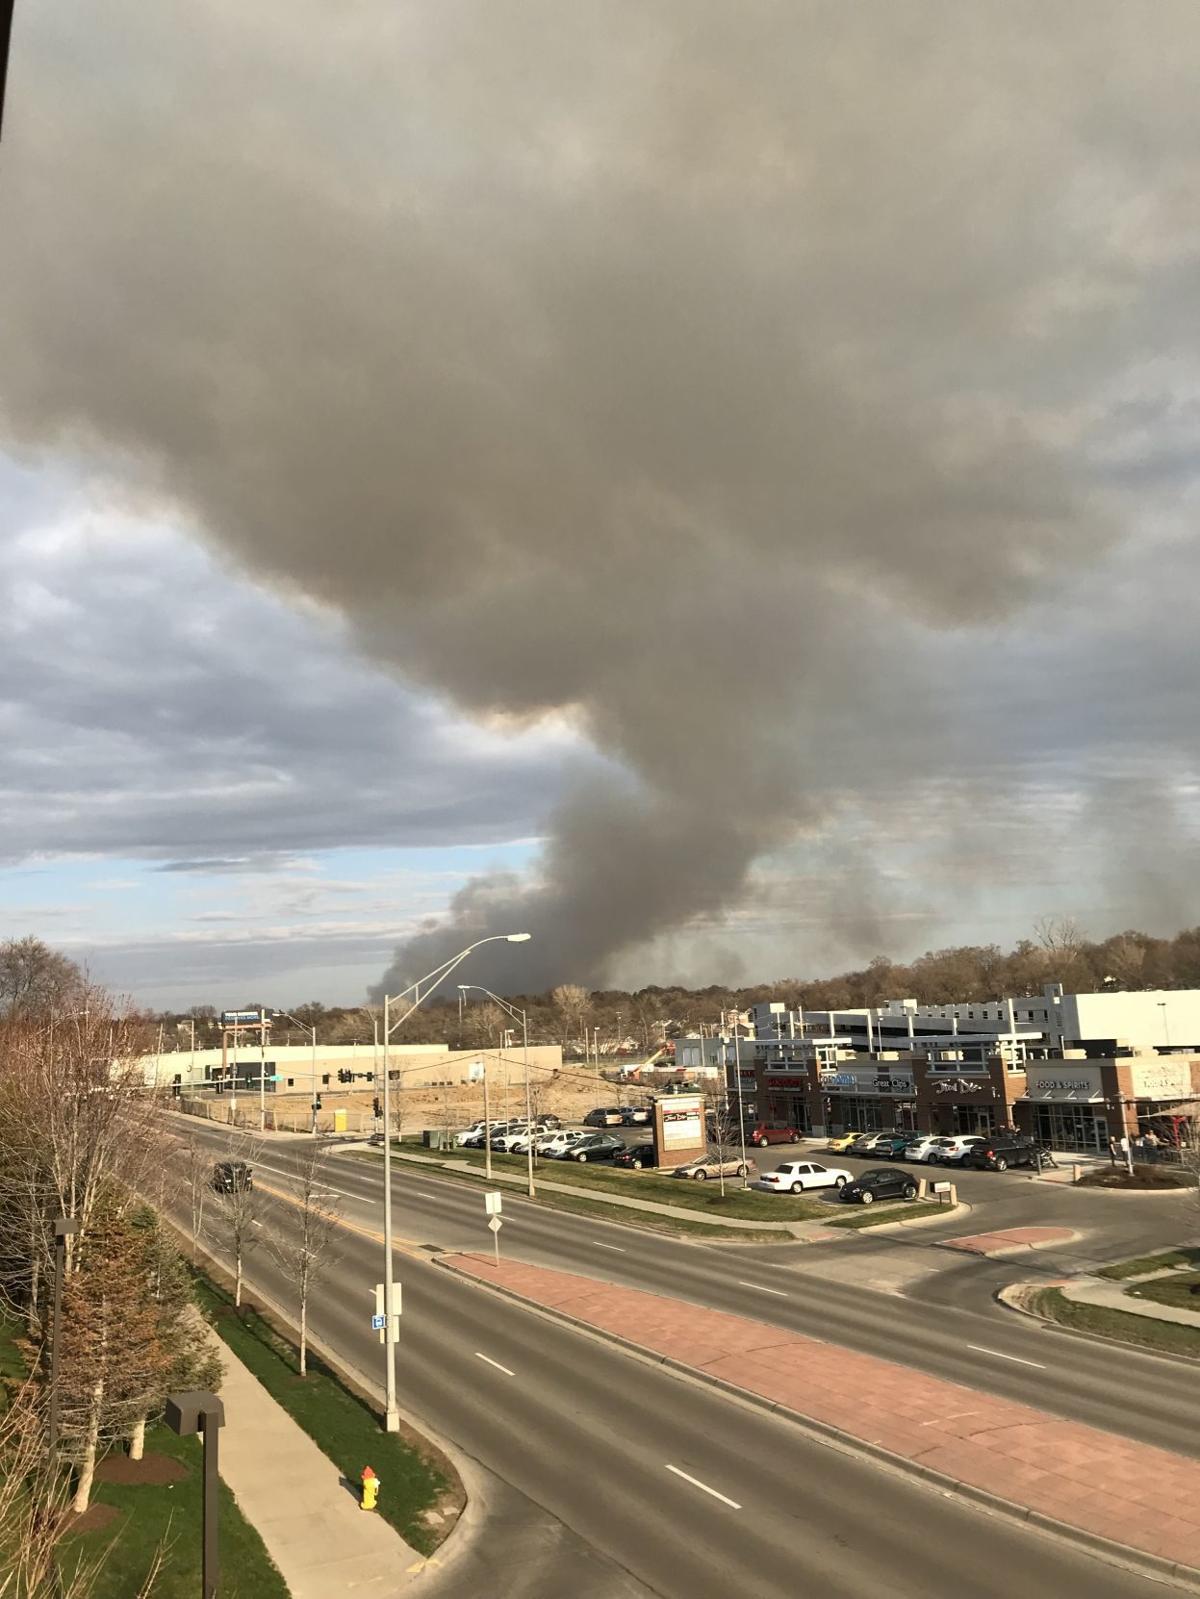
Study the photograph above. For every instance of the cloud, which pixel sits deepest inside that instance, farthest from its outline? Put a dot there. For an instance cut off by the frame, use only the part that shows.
(717, 382)
(181, 714)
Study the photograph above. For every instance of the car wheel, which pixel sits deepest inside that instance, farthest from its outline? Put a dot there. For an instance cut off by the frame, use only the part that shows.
(797, 1188)
(701, 1176)
(1002, 1164)
(636, 1164)
(761, 1142)
(868, 1198)
(839, 1183)
(742, 1171)
(910, 1191)
(581, 1158)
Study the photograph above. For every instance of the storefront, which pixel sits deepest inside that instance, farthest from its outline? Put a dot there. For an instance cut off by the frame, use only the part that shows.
(787, 1099)
(866, 1100)
(1067, 1102)
(968, 1097)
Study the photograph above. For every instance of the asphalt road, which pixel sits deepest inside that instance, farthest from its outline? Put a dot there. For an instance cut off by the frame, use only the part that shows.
(946, 1322)
(662, 1484)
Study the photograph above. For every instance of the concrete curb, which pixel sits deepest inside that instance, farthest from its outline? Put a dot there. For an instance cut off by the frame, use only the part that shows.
(960, 1209)
(1105, 1548)
(1007, 1249)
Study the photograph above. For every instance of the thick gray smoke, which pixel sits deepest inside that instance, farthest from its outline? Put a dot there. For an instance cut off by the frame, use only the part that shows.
(676, 366)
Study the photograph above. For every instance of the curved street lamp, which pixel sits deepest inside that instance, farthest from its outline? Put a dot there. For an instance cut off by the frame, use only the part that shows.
(420, 991)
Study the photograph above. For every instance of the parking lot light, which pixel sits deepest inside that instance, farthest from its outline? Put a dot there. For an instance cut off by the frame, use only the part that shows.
(186, 1413)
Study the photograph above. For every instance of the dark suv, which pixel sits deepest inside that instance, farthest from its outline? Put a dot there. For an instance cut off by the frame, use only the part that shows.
(232, 1176)
(1001, 1152)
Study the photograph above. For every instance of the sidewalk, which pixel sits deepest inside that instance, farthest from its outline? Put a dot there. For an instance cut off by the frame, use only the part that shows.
(1112, 1295)
(1088, 1484)
(325, 1546)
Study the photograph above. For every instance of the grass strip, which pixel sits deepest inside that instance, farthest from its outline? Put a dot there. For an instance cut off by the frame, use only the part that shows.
(1168, 1337)
(1181, 1291)
(681, 1193)
(903, 1210)
(150, 1514)
(1143, 1264)
(339, 1423)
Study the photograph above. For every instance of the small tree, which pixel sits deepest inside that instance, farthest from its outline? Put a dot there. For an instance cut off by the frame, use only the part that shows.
(308, 1252)
(724, 1136)
(112, 1364)
(237, 1211)
(198, 1167)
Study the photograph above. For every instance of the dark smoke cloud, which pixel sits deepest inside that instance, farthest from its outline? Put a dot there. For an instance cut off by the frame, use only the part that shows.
(673, 367)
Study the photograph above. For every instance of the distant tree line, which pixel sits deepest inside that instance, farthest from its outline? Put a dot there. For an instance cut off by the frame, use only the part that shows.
(643, 1018)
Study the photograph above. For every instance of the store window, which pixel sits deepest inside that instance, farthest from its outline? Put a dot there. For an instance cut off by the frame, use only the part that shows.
(1076, 1127)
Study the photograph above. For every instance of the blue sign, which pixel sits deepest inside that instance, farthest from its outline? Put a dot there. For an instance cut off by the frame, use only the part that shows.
(378, 1323)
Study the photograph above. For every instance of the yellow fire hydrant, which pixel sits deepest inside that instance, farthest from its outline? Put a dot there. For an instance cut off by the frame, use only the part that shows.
(370, 1489)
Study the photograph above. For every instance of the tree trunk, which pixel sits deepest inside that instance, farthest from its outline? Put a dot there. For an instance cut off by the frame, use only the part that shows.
(237, 1283)
(137, 1439)
(34, 1281)
(304, 1337)
(87, 1468)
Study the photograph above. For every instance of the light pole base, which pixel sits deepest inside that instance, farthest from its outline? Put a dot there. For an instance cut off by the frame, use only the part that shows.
(391, 1421)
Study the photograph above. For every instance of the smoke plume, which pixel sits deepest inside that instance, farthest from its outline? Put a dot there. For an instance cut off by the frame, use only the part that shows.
(678, 368)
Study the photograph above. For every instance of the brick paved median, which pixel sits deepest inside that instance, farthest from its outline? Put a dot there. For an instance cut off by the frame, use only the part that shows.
(1109, 1487)
(1013, 1241)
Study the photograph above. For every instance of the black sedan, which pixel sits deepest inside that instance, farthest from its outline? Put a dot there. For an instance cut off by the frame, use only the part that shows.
(636, 1157)
(596, 1146)
(881, 1182)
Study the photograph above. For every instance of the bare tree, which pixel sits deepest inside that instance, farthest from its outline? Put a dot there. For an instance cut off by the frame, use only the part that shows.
(36, 978)
(572, 1004)
(198, 1175)
(237, 1214)
(306, 1253)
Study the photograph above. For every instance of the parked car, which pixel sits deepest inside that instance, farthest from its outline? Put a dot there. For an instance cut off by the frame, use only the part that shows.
(604, 1116)
(1001, 1152)
(923, 1147)
(794, 1176)
(480, 1136)
(510, 1138)
(232, 1176)
(552, 1145)
(636, 1157)
(841, 1141)
(593, 1146)
(951, 1149)
(463, 1136)
(714, 1165)
(760, 1134)
(870, 1143)
(894, 1146)
(880, 1182)
(635, 1115)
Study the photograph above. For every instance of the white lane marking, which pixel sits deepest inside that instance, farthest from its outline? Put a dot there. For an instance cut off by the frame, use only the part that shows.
(778, 1292)
(421, 1195)
(479, 1355)
(615, 1247)
(696, 1483)
(1000, 1355)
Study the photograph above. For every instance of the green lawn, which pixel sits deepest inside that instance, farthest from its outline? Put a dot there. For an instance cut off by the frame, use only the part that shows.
(680, 1192)
(150, 1513)
(160, 1514)
(1181, 1290)
(1148, 1263)
(340, 1424)
(1166, 1336)
(902, 1210)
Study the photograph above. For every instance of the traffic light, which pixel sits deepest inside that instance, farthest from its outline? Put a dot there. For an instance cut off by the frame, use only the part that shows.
(378, 1107)
(317, 1103)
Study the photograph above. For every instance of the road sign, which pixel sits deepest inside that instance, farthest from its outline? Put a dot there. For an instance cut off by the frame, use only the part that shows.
(493, 1204)
(378, 1323)
(495, 1224)
(388, 1327)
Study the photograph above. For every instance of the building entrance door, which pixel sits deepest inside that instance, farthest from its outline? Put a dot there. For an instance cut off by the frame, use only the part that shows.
(1073, 1127)
(974, 1119)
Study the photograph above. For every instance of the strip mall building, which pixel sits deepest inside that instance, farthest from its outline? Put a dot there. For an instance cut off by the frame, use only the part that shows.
(1020, 1062)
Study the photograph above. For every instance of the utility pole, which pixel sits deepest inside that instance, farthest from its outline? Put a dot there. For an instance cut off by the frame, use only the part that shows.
(262, 1071)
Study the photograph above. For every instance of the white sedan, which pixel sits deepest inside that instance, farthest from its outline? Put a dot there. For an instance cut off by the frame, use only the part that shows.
(555, 1144)
(927, 1148)
(794, 1176)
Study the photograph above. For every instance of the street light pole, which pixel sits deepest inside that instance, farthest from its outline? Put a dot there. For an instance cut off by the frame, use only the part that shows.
(737, 1066)
(514, 1011)
(312, 1097)
(420, 990)
(64, 1228)
(187, 1413)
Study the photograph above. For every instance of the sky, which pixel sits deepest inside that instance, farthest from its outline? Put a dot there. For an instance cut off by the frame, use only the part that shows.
(714, 487)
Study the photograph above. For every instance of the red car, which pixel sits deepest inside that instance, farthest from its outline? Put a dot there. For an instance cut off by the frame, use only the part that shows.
(764, 1133)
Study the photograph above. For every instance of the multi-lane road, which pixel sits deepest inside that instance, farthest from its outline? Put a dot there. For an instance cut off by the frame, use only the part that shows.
(608, 1475)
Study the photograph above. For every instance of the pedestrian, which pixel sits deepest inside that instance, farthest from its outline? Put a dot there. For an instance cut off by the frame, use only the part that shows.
(1151, 1141)
(1112, 1150)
